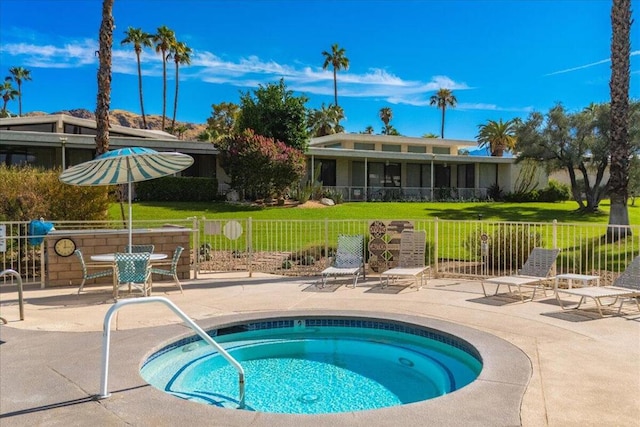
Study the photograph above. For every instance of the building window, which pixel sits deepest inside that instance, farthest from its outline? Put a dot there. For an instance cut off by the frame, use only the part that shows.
(383, 174)
(364, 146)
(418, 175)
(416, 149)
(22, 156)
(466, 176)
(336, 145)
(391, 147)
(441, 150)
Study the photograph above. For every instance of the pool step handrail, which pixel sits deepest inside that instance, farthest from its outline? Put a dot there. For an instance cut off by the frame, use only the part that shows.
(15, 274)
(106, 336)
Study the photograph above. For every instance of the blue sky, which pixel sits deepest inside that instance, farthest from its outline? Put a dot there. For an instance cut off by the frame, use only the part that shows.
(502, 59)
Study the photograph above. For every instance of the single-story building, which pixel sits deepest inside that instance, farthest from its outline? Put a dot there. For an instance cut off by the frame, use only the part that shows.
(359, 166)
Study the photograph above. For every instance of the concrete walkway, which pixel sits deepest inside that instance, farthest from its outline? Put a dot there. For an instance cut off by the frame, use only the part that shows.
(585, 370)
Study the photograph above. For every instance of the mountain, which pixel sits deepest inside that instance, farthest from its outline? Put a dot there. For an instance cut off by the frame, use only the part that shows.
(131, 120)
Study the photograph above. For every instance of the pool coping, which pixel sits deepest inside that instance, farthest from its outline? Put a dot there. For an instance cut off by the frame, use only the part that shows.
(494, 398)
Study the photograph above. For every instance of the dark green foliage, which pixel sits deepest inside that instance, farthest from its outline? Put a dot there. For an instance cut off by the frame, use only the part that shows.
(555, 192)
(508, 245)
(177, 189)
(272, 111)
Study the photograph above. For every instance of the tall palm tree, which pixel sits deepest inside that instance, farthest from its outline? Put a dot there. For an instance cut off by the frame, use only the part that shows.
(20, 74)
(339, 61)
(104, 77)
(386, 114)
(620, 148)
(326, 120)
(497, 136)
(139, 39)
(442, 99)
(181, 56)
(8, 93)
(163, 40)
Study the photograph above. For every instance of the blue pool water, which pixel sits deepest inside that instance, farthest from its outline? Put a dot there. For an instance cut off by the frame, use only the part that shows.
(314, 366)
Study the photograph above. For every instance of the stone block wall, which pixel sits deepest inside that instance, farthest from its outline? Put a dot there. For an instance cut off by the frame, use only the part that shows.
(66, 271)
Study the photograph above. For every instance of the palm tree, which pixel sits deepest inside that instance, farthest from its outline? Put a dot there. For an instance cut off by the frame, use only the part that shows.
(369, 130)
(104, 78)
(620, 148)
(442, 99)
(339, 61)
(163, 39)
(9, 93)
(139, 39)
(430, 135)
(20, 74)
(326, 120)
(386, 115)
(497, 136)
(181, 56)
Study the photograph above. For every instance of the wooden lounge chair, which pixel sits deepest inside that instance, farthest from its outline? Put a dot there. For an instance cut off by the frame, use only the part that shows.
(535, 271)
(626, 286)
(349, 259)
(411, 259)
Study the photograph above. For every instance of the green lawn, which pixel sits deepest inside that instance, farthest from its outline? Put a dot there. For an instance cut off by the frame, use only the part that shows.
(521, 212)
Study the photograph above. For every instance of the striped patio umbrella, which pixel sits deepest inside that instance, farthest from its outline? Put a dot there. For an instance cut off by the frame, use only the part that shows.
(124, 166)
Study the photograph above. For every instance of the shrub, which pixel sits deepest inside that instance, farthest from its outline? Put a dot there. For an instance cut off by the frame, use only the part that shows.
(555, 192)
(509, 246)
(177, 189)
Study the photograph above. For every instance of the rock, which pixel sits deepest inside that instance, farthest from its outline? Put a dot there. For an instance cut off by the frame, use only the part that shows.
(327, 202)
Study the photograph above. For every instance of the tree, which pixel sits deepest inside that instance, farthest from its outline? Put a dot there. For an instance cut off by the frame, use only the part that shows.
(274, 112)
(634, 179)
(386, 114)
(620, 148)
(104, 77)
(259, 166)
(139, 39)
(19, 74)
(9, 93)
(222, 121)
(430, 135)
(181, 56)
(442, 99)
(325, 121)
(578, 143)
(339, 61)
(369, 130)
(497, 136)
(163, 39)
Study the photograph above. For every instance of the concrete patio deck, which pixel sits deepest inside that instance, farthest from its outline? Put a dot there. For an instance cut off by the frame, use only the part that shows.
(585, 370)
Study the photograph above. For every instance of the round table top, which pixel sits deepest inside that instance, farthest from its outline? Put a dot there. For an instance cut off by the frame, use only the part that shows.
(111, 257)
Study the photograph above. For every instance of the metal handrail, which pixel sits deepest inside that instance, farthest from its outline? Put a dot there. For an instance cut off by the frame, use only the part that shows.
(20, 300)
(106, 334)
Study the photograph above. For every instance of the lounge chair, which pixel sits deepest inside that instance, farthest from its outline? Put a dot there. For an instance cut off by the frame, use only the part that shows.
(133, 270)
(535, 271)
(103, 272)
(349, 259)
(173, 267)
(411, 259)
(626, 286)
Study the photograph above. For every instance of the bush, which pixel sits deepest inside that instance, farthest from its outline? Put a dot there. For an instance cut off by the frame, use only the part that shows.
(177, 189)
(509, 246)
(555, 192)
(30, 193)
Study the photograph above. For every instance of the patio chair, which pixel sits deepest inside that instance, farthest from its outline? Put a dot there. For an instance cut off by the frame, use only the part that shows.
(411, 259)
(103, 272)
(173, 267)
(139, 248)
(535, 271)
(133, 270)
(349, 259)
(626, 286)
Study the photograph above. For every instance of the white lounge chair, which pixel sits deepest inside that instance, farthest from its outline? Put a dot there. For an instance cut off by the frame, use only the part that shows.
(626, 286)
(535, 271)
(411, 259)
(349, 259)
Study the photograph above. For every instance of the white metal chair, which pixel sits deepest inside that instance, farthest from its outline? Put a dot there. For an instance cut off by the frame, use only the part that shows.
(626, 286)
(411, 262)
(103, 272)
(535, 271)
(173, 267)
(133, 270)
(349, 259)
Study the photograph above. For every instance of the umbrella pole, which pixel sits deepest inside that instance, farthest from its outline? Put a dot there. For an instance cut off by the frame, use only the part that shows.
(130, 220)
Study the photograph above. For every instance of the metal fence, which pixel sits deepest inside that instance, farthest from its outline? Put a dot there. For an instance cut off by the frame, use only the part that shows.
(469, 249)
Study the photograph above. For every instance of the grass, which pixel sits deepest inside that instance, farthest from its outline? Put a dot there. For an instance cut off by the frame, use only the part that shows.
(521, 212)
